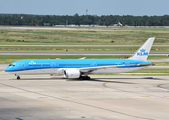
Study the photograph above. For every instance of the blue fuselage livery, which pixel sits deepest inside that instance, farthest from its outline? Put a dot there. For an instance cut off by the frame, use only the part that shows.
(72, 63)
(80, 68)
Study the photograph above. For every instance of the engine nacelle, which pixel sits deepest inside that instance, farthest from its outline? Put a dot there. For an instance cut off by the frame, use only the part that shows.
(71, 73)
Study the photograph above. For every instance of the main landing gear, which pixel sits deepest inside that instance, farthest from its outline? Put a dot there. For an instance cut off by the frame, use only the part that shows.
(18, 77)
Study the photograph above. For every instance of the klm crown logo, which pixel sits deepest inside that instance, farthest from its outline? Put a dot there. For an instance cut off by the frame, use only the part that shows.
(142, 53)
(32, 62)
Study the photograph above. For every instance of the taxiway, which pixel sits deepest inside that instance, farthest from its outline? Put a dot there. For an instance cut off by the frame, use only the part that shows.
(104, 97)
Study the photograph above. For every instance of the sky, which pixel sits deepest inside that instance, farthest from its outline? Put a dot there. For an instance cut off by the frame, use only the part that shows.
(95, 7)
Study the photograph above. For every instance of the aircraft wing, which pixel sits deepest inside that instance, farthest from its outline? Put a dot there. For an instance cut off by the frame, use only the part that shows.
(90, 69)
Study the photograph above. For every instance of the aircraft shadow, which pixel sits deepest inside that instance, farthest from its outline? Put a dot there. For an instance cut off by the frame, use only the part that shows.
(69, 80)
(92, 79)
(97, 80)
(38, 79)
(113, 80)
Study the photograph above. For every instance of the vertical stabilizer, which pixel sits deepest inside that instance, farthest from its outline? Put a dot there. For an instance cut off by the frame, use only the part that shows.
(143, 52)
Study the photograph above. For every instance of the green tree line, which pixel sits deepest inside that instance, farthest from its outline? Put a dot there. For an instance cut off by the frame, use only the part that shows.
(32, 20)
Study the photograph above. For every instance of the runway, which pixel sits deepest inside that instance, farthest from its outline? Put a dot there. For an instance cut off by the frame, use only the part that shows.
(77, 53)
(104, 97)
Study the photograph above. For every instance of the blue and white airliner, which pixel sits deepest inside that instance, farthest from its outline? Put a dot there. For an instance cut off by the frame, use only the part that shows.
(81, 68)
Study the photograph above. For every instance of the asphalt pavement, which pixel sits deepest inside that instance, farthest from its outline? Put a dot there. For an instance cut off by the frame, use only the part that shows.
(104, 97)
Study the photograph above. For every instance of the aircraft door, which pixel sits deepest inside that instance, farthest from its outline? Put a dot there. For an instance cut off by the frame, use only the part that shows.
(127, 64)
(22, 66)
(118, 63)
(94, 64)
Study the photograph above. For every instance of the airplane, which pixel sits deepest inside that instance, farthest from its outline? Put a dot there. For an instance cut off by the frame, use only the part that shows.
(119, 24)
(81, 68)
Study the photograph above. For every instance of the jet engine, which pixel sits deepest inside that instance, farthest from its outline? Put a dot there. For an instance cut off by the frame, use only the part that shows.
(71, 73)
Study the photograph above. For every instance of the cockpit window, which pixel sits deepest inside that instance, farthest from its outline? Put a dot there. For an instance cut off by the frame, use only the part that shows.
(11, 65)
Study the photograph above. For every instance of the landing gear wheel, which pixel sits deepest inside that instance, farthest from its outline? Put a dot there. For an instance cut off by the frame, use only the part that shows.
(18, 78)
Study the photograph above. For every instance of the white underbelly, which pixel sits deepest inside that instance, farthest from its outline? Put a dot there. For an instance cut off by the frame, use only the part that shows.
(59, 71)
(38, 71)
(115, 70)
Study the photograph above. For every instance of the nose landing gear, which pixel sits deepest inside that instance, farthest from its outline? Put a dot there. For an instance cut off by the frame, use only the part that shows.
(18, 77)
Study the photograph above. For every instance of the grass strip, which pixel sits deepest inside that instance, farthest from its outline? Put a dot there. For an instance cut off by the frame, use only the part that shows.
(134, 36)
(78, 49)
(13, 58)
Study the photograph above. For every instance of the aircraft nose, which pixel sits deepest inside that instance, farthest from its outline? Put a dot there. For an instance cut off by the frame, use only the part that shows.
(7, 69)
